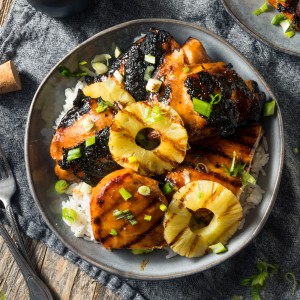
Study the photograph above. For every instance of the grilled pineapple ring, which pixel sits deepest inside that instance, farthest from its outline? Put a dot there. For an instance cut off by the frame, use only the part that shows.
(167, 124)
(196, 197)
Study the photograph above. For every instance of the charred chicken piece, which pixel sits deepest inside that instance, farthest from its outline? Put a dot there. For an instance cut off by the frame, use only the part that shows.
(240, 102)
(205, 159)
(80, 123)
(132, 64)
(123, 223)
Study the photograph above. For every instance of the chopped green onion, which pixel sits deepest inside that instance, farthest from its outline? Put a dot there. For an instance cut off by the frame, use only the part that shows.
(277, 19)
(132, 159)
(117, 213)
(125, 194)
(215, 99)
(285, 24)
(148, 72)
(99, 67)
(147, 218)
(69, 214)
(155, 115)
(167, 188)
(289, 34)
(269, 108)
(296, 150)
(144, 190)
(118, 76)
(150, 59)
(79, 74)
(233, 162)
(133, 222)
(163, 207)
(64, 71)
(90, 141)
(61, 186)
(153, 85)
(87, 124)
(113, 231)
(290, 276)
(247, 178)
(102, 106)
(83, 67)
(118, 52)
(218, 248)
(261, 10)
(186, 69)
(104, 58)
(74, 154)
(202, 107)
(140, 251)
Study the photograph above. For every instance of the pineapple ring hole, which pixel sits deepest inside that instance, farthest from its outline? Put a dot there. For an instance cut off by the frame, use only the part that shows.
(200, 218)
(148, 138)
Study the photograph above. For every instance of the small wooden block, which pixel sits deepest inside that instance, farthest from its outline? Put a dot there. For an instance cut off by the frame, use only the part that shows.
(9, 78)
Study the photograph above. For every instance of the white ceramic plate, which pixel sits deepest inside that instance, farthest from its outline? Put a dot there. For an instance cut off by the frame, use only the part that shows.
(260, 26)
(45, 108)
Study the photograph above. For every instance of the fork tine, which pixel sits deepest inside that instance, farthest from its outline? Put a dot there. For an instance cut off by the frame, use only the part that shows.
(5, 170)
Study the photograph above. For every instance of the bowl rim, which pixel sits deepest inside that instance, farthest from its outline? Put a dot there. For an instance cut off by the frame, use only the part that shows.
(141, 276)
(255, 34)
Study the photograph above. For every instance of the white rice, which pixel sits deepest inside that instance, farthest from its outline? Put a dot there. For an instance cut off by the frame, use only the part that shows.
(79, 194)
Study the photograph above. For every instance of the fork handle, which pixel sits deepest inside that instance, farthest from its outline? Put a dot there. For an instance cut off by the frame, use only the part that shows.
(16, 232)
(37, 288)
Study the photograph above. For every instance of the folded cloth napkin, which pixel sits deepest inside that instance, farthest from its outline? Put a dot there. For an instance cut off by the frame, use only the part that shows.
(35, 42)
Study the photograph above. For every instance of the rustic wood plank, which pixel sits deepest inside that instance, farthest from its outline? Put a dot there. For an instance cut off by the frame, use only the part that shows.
(4, 9)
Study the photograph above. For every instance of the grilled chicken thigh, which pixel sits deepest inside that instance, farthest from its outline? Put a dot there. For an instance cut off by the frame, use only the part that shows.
(123, 223)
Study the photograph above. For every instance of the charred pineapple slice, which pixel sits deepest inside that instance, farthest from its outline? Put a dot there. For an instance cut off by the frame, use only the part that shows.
(130, 130)
(110, 91)
(201, 213)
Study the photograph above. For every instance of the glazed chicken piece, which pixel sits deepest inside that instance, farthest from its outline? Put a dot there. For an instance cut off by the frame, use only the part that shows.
(134, 222)
(205, 159)
(80, 123)
(132, 64)
(240, 103)
(290, 9)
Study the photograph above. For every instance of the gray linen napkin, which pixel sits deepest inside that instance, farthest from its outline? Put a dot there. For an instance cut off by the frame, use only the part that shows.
(36, 42)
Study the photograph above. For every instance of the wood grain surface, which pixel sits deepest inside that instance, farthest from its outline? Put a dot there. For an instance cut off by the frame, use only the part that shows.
(65, 279)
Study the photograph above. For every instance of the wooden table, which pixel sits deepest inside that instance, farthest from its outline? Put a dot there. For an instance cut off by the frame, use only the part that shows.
(65, 279)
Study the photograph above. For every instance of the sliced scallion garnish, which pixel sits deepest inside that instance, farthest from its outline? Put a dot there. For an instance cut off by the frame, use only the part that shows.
(74, 154)
(285, 24)
(247, 178)
(64, 71)
(117, 52)
(150, 59)
(148, 72)
(147, 218)
(104, 58)
(144, 190)
(69, 214)
(153, 85)
(99, 67)
(167, 188)
(163, 207)
(269, 108)
(125, 194)
(132, 159)
(289, 34)
(277, 19)
(154, 115)
(90, 141)
(202, 107)
(118, 76)
(140, 251)
(186, 69)
(113, 231)
(218, 248)
(261, 10)
(290, 276)
(61, 186)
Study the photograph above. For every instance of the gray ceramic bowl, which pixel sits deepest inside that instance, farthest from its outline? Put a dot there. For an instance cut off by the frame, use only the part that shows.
(40, 166)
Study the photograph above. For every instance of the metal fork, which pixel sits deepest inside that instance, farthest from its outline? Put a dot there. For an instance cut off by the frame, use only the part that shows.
(37, 288)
